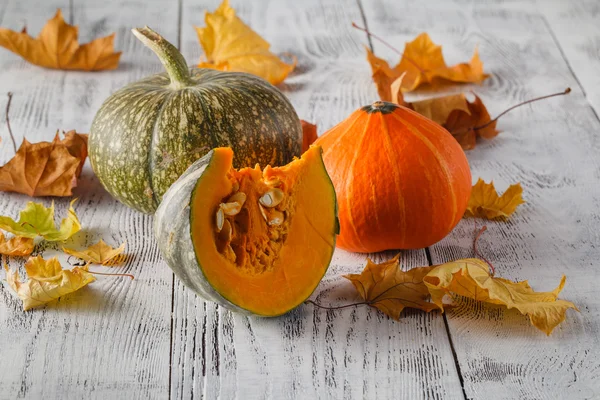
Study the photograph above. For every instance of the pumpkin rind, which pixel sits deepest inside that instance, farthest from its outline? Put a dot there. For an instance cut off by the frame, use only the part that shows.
(175, 226)
(146, 134)
(402, 180)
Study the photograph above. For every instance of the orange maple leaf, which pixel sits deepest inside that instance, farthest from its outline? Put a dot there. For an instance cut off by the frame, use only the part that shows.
(45, 168)
(422, 62)
(389, 289)
(486, 203)
(231, 45)
(56, 47)
(309, 134)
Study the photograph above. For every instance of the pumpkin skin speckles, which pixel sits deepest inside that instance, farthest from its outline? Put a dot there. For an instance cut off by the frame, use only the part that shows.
(146, 134)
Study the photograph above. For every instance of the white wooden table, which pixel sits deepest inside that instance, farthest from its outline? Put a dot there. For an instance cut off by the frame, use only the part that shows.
(152, 339)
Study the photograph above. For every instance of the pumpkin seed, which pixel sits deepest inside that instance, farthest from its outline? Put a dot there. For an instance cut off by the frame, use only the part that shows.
(235, 186)
(220, 217)
(231, 209)
(239, 197)
(271, 198)
(276, 218)
(263, 213)
(226, 232)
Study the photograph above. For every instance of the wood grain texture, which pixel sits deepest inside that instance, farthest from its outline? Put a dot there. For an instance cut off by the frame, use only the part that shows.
(310, 353)
(112, 338)
(576, 29)
(551, 148)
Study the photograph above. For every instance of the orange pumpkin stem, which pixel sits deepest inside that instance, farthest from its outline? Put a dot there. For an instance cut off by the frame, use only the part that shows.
(476, 251)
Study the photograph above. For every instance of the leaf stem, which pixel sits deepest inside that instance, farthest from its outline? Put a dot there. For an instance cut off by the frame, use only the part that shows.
(337, 307)
(10, 95)
(566, 91)
(360, 28)
(476, 251)
(106, 274)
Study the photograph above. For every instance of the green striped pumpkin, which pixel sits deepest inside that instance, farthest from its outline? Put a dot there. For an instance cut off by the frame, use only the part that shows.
(149, 132)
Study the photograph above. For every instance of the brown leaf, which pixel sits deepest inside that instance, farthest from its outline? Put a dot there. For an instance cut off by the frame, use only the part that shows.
(422, 63)
(465, 120)
(309, 134)
(471, 278)
(45, 168)
(17, 246)
(389, 289)
(57, 47)
(485, 202)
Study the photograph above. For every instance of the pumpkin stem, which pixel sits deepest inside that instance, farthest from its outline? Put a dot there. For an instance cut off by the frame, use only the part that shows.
(169, 56)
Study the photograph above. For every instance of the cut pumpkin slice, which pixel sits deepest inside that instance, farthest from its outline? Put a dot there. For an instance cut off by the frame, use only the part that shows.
(255, 241)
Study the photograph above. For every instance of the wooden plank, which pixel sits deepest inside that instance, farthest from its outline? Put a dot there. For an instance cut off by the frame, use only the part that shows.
(551, 147)
(352, 353)
(111, 339)
(575, 26)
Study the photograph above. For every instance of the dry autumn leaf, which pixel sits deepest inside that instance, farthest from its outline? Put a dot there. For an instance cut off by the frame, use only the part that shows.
(17, 246)
(422, 63)
(309, 134)
(471, 278)
(389, 289)
(99, 253)
(485, 202)
(45, 168)
(57, 47)
(37, 220)
(231, 45)
(47, 281)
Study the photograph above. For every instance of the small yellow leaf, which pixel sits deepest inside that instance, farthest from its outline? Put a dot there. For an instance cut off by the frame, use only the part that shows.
(99, 253)
(47, 281)
(485, 202)
(389, 289)
(57, 47)
(37, 220)
(231, 45)
(17, 246)
(471, 278)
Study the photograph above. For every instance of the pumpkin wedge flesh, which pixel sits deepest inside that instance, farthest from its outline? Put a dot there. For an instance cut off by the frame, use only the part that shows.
(265, 269)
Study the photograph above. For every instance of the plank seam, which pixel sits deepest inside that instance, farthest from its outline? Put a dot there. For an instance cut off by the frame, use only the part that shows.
(449, 335)
(171, 334)
(364, 21)
(566, 60)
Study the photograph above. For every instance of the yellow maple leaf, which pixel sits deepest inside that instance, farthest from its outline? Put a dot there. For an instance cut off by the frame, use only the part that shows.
(422, 62)
(47, 281)
(485, 202)
(37, 220)
(389, 289)
(471, 278)
(56, 47)
(99, 253)
(17, 246)
(231, 45)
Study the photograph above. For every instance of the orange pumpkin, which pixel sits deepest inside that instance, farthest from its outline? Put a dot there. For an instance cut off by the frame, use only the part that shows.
(402, 181)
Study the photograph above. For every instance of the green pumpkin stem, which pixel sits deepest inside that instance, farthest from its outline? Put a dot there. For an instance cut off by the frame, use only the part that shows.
(169, 56)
